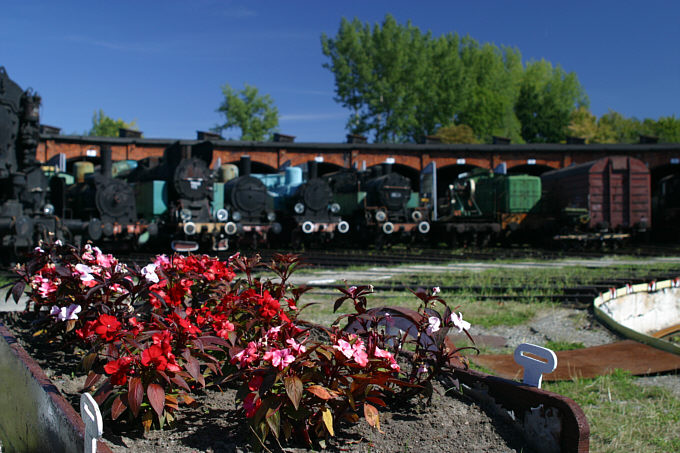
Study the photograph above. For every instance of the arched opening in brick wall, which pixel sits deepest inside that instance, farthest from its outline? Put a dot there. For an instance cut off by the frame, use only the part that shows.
(409, 172)
(526, 169)
(660, 172)
(448, 174)
(256, 167)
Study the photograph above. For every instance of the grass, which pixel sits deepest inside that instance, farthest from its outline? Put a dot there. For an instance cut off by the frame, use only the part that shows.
(623, 415)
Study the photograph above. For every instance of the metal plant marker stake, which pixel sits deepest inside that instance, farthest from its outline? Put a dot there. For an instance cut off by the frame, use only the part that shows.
(94, 425)
(533, 368)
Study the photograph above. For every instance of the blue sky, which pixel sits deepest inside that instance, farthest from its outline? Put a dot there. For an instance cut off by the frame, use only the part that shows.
(163, 63)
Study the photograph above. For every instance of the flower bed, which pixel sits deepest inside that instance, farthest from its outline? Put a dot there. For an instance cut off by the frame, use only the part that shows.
(156, 341)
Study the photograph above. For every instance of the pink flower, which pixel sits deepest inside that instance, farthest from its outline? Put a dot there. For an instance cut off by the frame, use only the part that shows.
(104, 260)
(457, 320)
(46, 287)
(387, 355)
(162, 261)
(344, 347)
(295, 346)
(360, 356)
(279, 358)
(85, 274)
(246, 356)
(433, 325)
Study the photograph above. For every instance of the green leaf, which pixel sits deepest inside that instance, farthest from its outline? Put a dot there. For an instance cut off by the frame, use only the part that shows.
(274, 421)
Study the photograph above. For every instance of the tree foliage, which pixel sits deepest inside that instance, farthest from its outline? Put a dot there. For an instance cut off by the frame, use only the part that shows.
(456, 133)
(402, 85)
(105, 126)
(255, 115)
(547, 97)
(612, 127)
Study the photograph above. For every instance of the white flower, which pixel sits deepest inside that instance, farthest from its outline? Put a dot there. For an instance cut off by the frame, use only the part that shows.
(433, 325)
(66, 313)
(457, 320)
(436, 290)
(149, 272)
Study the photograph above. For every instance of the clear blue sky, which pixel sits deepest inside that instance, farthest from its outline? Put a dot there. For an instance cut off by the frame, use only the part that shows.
(163, 63)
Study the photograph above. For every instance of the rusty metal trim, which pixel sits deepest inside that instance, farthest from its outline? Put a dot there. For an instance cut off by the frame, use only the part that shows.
(71, 422)
(520, 398)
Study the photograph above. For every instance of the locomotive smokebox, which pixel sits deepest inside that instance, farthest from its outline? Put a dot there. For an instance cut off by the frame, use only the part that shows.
(105, 154)
(245, 165)
(313, 168)
(386, 168)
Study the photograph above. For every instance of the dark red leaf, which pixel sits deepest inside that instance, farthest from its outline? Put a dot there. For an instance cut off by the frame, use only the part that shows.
(92, 379)
(180, 382)
(377, 401)
(156, 396)
(117, 408)
(18, 290)
(135, 395)
(294, 389)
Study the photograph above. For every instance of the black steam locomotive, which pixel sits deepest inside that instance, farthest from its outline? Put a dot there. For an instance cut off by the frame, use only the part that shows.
(26, 216)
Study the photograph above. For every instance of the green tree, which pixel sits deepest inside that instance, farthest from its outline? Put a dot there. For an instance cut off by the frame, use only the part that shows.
(582, 123)
(547, 97)
(624, 130)
(256, 116)
(666, 128)
(105, 126)
(402, 85)
(456, 133)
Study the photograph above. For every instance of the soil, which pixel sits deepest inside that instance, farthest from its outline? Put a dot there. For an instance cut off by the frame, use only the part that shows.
(451, 422)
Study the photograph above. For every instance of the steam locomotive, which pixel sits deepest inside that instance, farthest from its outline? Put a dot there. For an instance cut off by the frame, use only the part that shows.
(26, 216)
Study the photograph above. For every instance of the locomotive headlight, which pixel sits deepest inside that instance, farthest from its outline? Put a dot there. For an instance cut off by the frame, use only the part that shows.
(48, 209)
(189, 228)
(185, 214)
(335, 208)
(380, 216)
(271, 216)
(222, 215)
(236, 216)
(299, 208)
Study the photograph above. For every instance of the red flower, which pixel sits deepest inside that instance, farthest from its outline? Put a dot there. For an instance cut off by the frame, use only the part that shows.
(118, 369)
(255, 383)
(87, 330)
(269, 306)
(106, 327)
(154, 356)
(251, 404)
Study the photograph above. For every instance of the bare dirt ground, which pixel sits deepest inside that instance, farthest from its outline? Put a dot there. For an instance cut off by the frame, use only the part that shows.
(451, 422)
